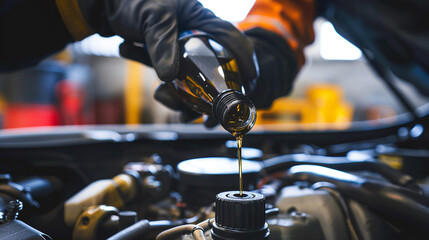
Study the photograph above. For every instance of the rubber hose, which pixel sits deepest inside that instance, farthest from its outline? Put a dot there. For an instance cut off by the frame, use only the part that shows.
(285, 162)
(176, 231)
(196, 230)
(400, 204)
(133, 232)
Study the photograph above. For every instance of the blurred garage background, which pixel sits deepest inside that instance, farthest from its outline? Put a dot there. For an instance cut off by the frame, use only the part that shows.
(88, 83)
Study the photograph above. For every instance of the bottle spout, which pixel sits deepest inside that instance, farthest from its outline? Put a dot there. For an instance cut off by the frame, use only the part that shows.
(235, 112)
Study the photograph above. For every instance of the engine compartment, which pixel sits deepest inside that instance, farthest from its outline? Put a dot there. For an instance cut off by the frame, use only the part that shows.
(118, 182)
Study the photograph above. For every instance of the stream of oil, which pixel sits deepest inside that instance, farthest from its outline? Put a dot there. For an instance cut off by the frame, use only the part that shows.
(239, 140)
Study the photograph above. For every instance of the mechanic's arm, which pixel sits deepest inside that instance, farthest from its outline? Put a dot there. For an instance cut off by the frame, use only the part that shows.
(30, 30)
(279, 31)
(33, 29)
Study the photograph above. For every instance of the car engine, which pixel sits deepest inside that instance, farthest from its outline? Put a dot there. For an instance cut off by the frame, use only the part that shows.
(181, 182)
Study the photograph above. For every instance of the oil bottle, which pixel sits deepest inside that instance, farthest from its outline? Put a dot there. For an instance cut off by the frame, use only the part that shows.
(209, 83)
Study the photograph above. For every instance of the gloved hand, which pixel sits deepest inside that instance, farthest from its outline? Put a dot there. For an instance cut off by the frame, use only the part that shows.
(168, 96)
(155, 25)
(278, 67)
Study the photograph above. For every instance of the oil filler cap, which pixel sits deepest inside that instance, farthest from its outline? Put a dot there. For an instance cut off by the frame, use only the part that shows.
(240, 217)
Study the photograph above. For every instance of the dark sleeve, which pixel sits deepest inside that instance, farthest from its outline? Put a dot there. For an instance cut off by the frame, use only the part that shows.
(30, 31)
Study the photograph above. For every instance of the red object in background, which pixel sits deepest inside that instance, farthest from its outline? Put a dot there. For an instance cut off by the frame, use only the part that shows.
(30, 115)
(71, 101)
(70, 98)
(109, 111)
(30, 96)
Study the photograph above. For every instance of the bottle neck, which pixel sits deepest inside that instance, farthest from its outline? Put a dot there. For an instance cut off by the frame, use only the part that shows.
(235, 112)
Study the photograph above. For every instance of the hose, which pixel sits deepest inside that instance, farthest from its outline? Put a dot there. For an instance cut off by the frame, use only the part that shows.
(145, 228)
(206, 225)
(349, 220)
(285, 162)
(401, 205)
(180, 230)
(196, 230)
(133, 232)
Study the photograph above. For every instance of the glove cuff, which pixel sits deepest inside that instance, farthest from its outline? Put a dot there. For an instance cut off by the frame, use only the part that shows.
(73, 19)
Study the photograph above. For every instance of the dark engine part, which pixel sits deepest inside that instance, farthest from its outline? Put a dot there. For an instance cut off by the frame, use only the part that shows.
(13, 229)
(321, 205)
(399, 206)
(410, 161)
(145, 229)
(134, 232)
(295, 226)
(301, 216)
(17, 230)
(11, 190)
(155, 179)
(41, 188)
(202, 178)
(240, 217)
(33, 195)
(340, 163)
(38, 194)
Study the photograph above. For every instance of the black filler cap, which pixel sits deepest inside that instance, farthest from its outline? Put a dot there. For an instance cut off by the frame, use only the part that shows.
(240, 217)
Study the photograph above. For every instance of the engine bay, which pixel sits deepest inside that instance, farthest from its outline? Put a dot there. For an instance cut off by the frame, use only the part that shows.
(176, 181)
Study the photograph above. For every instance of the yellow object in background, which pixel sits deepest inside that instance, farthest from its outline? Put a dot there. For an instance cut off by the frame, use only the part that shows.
(393, 161)
(2, 104)
(133, 92)
(323, 108)
(64, 56)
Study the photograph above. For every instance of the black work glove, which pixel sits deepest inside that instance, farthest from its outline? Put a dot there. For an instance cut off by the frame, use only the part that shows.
(155, 25)
(169, 97)
(278, 67)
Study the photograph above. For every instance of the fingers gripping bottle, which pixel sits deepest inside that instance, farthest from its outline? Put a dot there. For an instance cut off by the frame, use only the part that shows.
(209, 82)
